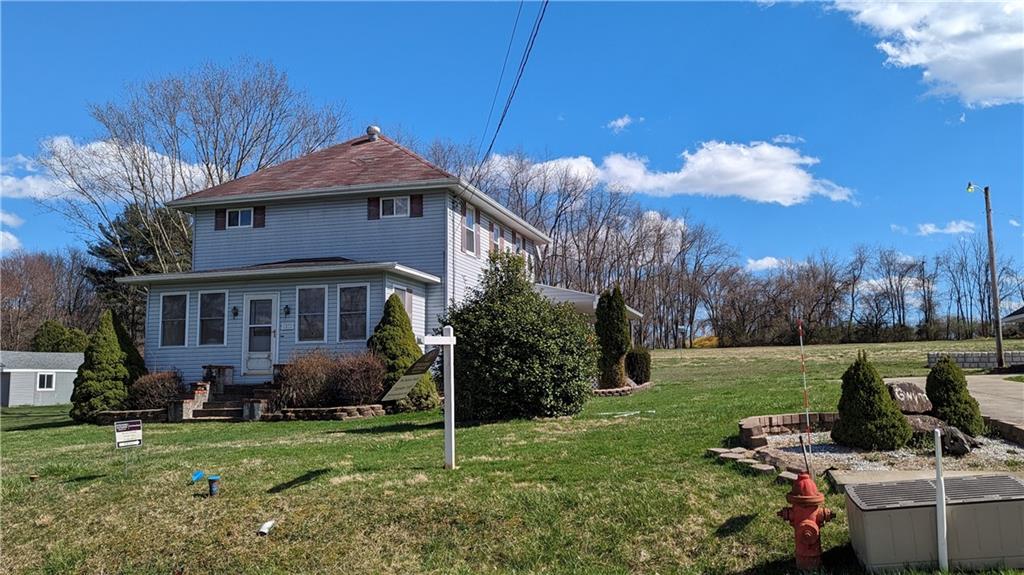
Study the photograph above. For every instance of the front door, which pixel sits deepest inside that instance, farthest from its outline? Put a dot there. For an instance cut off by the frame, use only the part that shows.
(259, 342)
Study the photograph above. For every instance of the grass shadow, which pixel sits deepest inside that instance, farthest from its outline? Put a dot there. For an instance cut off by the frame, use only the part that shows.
(40, 425)
(84, 478)
(735, 524)
(303, 479)
(392, 428)
(840, 559)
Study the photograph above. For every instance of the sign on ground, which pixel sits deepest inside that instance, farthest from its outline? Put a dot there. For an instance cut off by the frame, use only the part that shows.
(405, 384)
(128, 433)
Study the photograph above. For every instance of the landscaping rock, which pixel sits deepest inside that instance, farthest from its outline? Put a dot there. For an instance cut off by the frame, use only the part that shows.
(763, 469)
(954, 441)
(785, 477)
(715, 451)
(738, 450)
(747, 461)
(909, 397)
(730, 456)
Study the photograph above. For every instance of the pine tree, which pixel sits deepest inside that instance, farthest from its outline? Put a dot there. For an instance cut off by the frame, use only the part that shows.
(100, 384)
(394, 342)
(946, 387)
(612, 328)
(49, 337)
(868, 416)
(133, 359)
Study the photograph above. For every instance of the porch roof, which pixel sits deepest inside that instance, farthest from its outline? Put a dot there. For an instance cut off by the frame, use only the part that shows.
(1015, 317)
(585, 303)
(283, 269)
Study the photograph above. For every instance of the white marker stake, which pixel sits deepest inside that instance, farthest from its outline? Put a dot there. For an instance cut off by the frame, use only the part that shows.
(940, 504)
(447, 341)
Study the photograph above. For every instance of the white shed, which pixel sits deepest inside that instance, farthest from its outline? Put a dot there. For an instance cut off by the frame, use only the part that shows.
(37, 378)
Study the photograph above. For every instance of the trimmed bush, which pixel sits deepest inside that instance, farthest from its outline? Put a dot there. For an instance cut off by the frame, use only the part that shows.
(518, 354)
(394, 342)
(321, 378)
(100, 384)
(638, 364)
(947, 390)
(52, 336)
(154, 390)
(612, 329)
(868, 416)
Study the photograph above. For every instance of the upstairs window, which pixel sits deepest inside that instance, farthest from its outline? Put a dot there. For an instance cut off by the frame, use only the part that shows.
(394, 207)
(469, 229)
(352, 313)
(240, 218)
(312, 313)
(172, 319)
(212, 317)
(495, 237)
(45, 382)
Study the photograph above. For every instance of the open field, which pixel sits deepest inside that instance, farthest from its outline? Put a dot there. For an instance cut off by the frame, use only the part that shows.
(599, 493)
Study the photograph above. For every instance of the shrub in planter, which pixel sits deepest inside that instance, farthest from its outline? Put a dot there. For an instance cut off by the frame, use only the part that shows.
(518, 355)
(868, 416)
(100, 384)
(612, 329)
(946, 387)
(154, 390)
(638, 364)
(321, 378)
(395, 343)
(358, 380)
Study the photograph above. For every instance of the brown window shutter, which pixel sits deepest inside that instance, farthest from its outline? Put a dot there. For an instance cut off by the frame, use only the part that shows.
(373, 208)
(220, 219)
(416, 206)
(259, 216)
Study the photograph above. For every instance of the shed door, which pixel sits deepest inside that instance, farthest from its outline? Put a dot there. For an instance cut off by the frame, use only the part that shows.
(260, 337)
(5, 389)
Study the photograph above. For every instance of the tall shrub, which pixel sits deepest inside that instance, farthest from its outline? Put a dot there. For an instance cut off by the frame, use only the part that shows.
(946, 387)
(133, 359)
(100, 384)
(518, 355)
(868, 416)
(638, 364)
(395, 343)
(52, 336)
(612, 329)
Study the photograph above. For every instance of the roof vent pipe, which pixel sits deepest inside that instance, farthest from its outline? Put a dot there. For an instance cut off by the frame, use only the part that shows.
(373, 132)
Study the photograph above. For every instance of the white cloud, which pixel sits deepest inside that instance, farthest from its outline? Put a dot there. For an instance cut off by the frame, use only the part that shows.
(8, 242)
(787, 139)
(22, 177)
(971, 50)
(963, 117)
(10, 220)
(899, 229)
(765, 263)
(1014, 223)
(953, 227)
(619, 124)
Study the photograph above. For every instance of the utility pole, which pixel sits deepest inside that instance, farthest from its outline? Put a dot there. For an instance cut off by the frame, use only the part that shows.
(997, 320)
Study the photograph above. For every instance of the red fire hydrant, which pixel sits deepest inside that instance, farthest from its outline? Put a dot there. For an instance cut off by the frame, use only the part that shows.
(806, 515)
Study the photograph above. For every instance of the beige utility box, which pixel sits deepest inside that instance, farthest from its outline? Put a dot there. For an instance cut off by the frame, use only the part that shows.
(892, 525)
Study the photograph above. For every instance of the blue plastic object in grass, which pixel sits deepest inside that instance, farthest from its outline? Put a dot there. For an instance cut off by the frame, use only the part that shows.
(197, 475)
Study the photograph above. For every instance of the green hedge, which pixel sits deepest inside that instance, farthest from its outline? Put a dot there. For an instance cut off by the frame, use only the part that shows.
(947, 390)
(638, 364)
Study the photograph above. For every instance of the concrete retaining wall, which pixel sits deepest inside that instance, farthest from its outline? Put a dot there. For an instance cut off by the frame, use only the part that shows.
(977, 359)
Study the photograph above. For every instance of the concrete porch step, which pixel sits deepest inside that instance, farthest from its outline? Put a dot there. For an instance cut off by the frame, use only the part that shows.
(223, 404)
(214, 418)
(219, 412)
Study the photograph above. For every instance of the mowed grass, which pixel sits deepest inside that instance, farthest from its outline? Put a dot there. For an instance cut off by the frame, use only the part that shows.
(622, 488)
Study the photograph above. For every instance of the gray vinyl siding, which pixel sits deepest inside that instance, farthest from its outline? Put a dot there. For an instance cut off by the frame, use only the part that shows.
(190, 358)
(21, 388)
(329, 227)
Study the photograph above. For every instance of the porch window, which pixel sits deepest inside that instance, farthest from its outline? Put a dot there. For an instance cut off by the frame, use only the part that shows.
(172, 319)
(352, 311)
(394, 207)
(45, 382)
(312, 313)
(212, 317)
(240, 218)
(469, 237)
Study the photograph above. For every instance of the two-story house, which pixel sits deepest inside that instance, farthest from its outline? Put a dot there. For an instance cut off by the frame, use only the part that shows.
(303, 255)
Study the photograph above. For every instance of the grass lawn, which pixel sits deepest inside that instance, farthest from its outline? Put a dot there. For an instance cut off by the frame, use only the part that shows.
(593, 494)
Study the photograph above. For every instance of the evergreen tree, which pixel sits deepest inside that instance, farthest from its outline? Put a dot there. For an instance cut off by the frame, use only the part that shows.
(49, 337)
(612, 328)
(133, 359)
(76, 340)
(395, 343)
(868, 416)
(946, 387)
(100, 384)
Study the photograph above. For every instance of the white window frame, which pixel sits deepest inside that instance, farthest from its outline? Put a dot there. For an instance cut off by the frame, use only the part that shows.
(408, 206)
(472, 246)
(366, 331)
(53, 381)
(326, 315)
(199, 320)
(160, 318)
(227, 218)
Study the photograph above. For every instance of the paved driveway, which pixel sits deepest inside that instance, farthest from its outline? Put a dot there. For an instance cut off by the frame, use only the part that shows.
(998, 398)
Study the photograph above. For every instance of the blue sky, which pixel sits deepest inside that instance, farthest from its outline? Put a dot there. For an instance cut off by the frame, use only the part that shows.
(884, 126)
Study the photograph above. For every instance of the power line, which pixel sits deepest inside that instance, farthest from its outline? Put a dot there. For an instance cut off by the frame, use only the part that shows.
(501, 77)
(519, 76)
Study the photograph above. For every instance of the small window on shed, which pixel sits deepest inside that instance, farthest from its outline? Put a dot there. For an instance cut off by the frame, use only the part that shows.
(45, 382)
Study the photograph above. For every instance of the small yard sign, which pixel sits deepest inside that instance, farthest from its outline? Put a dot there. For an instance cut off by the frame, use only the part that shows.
(405, 384)
(128, 433)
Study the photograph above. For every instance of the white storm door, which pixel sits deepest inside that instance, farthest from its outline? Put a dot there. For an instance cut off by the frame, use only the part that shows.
(259, 341)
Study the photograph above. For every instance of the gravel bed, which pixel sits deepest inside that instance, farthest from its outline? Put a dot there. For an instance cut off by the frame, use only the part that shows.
(993, 455)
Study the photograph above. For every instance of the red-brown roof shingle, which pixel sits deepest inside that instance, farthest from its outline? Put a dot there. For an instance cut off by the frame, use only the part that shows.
(359, 161)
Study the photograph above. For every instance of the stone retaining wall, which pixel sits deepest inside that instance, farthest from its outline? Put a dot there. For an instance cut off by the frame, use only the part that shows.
(325, 413)
(977, 359)
(146, 415)
(619, 391)
(754, 430)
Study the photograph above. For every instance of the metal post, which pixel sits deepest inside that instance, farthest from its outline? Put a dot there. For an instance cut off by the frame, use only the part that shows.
(997, 320)
(940, 505)
(449, 400)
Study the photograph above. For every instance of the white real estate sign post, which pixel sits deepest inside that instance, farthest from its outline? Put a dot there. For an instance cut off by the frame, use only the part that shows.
(447, 343)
